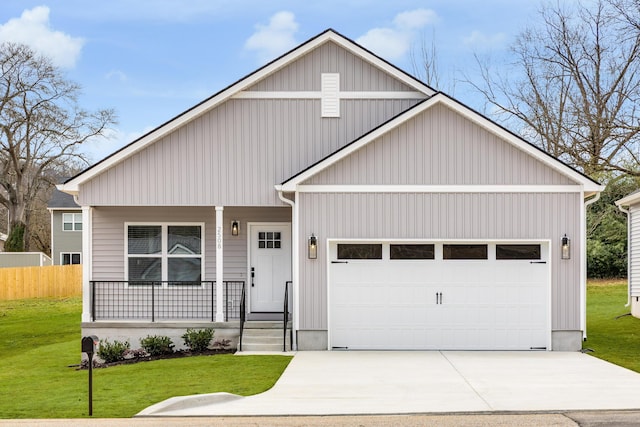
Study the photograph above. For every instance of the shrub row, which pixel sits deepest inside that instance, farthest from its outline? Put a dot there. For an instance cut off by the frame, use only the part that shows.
(196, 340)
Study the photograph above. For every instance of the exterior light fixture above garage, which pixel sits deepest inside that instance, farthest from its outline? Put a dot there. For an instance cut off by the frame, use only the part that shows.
(566, 247)
(313, 246)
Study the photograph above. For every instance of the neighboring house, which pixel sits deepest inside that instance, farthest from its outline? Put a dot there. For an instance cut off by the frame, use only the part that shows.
(631, 206)
(66, 229)
(24, 259)
(404, 219)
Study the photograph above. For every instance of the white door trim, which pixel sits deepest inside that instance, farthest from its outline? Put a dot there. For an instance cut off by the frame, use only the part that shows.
(249, 234)
(331, 240)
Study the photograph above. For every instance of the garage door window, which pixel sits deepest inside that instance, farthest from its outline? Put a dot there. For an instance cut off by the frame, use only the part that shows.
(464, 251)
(412, 251)
(359, 251)
(517, 251)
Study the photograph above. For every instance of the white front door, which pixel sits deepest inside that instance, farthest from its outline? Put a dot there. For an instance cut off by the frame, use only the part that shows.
(270, 265)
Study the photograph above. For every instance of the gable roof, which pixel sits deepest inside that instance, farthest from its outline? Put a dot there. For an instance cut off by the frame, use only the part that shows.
(71, 186)
(630, 199)
(590, 186)
(60, 200)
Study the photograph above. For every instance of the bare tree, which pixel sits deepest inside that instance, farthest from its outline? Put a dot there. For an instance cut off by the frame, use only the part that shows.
(426, 66)
(574, 85)
(41, 126)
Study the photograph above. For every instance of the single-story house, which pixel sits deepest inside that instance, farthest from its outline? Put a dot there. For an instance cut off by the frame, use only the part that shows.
(66, 229)
(395, 217)
(631, 206)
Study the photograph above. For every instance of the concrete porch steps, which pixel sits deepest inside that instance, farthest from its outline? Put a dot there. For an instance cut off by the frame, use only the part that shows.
(264, 336)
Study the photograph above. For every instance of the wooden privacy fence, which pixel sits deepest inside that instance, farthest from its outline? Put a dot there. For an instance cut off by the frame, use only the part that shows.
(40, 282)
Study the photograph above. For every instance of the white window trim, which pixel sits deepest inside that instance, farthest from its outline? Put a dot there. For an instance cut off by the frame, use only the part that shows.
(164, 256)
(62, 254)
(73, 221)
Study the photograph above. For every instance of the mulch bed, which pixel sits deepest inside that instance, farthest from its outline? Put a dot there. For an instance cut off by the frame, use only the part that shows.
(147, 358)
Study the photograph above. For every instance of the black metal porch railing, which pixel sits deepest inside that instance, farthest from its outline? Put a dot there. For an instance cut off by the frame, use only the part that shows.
(285, 318)
(162, 300)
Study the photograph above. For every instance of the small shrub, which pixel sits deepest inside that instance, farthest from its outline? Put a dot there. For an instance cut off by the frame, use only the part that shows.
(198, 339)
(113, 352)
(157, 345)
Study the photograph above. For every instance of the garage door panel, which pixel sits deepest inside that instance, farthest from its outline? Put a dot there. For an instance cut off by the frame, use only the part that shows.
(439, 304)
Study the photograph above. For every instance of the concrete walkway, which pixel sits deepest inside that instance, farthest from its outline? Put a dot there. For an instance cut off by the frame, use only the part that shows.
(334, 383)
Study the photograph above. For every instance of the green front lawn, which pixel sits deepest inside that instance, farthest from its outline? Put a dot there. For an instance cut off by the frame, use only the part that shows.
(39, 339)
(616, 340)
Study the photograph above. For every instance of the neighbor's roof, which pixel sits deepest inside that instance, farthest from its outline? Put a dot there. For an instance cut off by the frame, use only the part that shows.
(631, 199)
(60, 200)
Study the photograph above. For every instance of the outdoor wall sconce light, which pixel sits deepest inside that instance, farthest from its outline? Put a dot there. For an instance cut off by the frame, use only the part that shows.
(235, 228)
(313, 246)
(566, 247)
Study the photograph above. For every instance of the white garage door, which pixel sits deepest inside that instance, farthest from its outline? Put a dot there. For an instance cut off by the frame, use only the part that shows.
(442, 295)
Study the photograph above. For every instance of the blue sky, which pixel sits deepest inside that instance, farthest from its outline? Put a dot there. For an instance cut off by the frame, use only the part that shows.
(151, 60)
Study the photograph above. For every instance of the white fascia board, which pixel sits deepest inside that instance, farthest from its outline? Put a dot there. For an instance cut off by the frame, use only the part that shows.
(629, 200)
(439, 188)
(72, 187)
(588, 185)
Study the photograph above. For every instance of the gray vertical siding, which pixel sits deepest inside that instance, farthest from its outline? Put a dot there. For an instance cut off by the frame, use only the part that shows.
(63, 241)
(634, 249)
(109, 235)
(234, 154)
(441, 216)
(439, 147)
(355, 74)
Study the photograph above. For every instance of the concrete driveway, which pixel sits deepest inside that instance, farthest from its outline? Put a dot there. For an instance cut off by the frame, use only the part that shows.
(334, 383)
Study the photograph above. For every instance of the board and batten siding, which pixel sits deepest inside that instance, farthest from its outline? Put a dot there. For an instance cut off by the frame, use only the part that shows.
(235, 154)
(463, 216)
(108, 251)
(439, 147)
(634, 249)
(355, 73)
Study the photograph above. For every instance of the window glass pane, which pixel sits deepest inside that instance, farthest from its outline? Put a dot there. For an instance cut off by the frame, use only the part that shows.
(75, 258)
(184, 239)
(518, 252)
(145, 269)
(145, 239)
(67, 226)
(77, 218)
(77, 226)
(184, 269)
(412, 251)
(465, 251)
(66, 259)
(359, 251)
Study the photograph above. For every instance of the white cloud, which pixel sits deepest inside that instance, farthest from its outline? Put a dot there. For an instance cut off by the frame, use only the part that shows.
(117, 75)
(478, 39)
(273, 39)
(33, 29)
(394, 43)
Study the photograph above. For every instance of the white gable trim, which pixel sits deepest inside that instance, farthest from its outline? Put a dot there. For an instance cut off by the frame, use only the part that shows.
(589, 186)
(629, 200)
(341, 94)
(439, 188)
(72, 187)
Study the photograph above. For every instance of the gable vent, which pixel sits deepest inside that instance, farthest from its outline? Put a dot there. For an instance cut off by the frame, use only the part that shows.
(330, 86)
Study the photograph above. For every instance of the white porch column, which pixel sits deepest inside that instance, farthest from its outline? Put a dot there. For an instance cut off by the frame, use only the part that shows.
(219, 264)
(87, 272)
